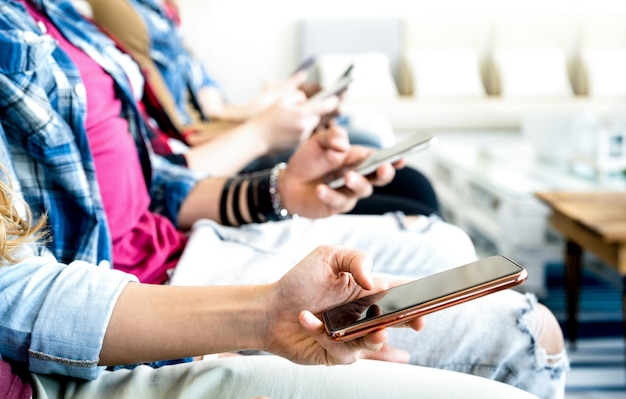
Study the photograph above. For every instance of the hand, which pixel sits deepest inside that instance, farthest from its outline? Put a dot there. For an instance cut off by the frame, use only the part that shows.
(310, 88)
(211, 101)
(289, 122)
(301, 185)
(275, 90)
(213, 105)
(388, 353)
(327, 277)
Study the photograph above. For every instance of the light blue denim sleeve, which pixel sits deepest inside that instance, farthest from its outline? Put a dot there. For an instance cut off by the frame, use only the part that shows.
(53, 316)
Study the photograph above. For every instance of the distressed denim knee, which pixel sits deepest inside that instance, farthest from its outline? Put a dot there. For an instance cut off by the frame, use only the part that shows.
(506, 336)
(547, 349)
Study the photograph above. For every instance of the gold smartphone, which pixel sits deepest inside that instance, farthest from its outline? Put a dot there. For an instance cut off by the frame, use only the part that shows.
(420, 297)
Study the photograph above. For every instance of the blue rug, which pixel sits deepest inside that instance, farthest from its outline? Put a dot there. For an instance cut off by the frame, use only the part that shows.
(600, 312)
(598, 369)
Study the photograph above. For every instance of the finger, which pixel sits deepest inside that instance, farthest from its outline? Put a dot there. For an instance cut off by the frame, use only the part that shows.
(417, 323)
(341, 352)
(387, 354)
(374, 341)
(381, 282)
(298, 78)
(295, 97)
(338, 201)
(360, 185)
(311, 324)
(357, 263)
(323, 105)
(384, 175)
(400, 163)
(336, 353)
(334, 138)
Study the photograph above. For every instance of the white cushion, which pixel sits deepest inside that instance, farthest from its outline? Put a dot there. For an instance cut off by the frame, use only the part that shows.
(372, 77)
(606, 72)
(445, 73)
(532, 73)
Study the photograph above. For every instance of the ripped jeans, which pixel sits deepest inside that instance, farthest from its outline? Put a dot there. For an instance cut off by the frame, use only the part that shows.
(494, 336)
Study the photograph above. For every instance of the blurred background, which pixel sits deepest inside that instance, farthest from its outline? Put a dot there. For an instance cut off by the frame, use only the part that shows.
(243, 42)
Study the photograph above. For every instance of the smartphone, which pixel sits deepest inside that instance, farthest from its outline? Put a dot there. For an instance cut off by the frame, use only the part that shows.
(306, 64)
(339, 86)
(348, 71)
(420, 297)
(393, 153)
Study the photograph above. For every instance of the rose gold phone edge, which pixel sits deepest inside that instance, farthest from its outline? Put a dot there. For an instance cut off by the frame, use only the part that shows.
(353, 332)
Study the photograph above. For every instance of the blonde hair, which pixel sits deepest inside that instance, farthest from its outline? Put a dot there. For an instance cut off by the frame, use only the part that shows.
(15, 230)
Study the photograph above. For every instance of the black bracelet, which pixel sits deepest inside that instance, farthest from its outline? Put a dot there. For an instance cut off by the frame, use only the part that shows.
(262, 198)
(264, 204)
(224, 202)
(253, 199)
(237, 201)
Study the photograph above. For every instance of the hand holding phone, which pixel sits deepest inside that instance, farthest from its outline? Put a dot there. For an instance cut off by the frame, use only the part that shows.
(338, 87)
(341, 85)
(426, 295)
(390, 154)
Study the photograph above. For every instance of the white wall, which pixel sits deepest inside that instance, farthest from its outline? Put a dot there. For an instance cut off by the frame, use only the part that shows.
(243, 42)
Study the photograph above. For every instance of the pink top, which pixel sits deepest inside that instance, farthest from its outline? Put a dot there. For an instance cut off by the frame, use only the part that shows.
(144, 244)
(13, 385)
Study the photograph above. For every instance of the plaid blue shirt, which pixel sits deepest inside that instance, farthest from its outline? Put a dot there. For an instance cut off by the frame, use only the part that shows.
(183, 73)
(42, 112)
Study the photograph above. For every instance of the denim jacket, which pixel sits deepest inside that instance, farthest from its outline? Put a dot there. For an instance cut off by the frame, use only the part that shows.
(184, 74)
(42, 113)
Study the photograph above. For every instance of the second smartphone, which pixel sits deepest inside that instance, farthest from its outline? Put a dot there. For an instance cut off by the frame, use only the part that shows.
(414, 143)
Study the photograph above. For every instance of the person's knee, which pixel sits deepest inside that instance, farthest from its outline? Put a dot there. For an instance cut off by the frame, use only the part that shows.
(550, 335)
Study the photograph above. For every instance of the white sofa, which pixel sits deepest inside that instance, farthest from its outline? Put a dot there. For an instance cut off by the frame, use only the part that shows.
(474, 72)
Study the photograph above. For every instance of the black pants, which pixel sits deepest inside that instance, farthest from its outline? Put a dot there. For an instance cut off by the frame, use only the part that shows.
(410, 192)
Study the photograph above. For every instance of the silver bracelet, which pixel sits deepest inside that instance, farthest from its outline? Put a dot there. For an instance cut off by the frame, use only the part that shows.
(280, 212)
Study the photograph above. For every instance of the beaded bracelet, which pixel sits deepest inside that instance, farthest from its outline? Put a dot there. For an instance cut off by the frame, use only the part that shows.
(280, 212)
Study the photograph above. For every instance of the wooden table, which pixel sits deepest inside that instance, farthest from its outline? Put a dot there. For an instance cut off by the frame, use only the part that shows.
(589, 221)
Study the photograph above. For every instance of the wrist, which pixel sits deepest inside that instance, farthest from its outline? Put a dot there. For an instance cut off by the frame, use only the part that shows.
(242, 314)
(259, 313)
(253, 198)
(277, 201)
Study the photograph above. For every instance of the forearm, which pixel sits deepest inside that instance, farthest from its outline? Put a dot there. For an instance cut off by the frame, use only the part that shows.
(214, 107)
(249, 198)
(217, 156)
(238, 112)
(203, 202)
(152, 322)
